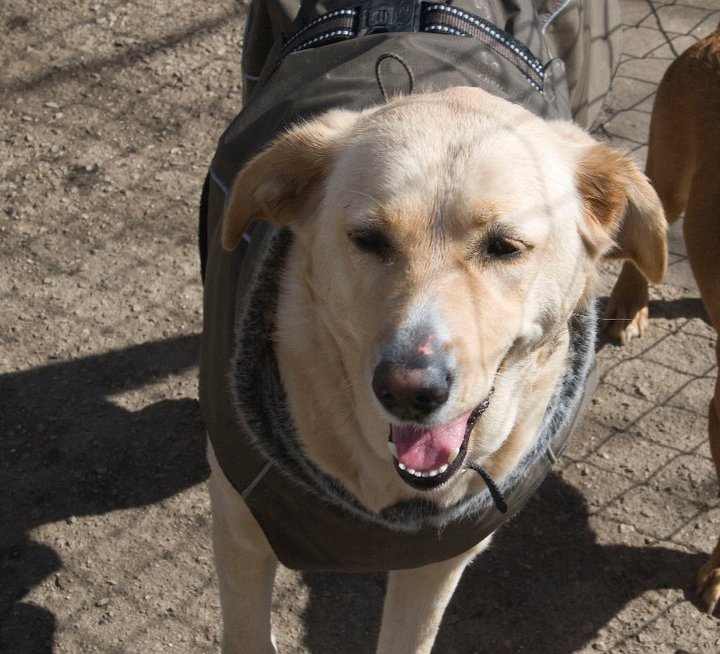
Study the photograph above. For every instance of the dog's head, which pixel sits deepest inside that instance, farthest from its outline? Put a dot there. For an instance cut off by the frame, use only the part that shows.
(442, 243)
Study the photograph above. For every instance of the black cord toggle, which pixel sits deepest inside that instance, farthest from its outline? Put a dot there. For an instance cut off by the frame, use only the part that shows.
(497, 496)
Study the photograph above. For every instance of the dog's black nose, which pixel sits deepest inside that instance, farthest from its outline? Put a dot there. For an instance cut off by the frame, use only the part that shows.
(411, 393)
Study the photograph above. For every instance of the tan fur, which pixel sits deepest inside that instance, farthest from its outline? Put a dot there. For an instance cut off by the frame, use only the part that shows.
(622, 188)
(284, 186)
(437, 196)
(684, 166)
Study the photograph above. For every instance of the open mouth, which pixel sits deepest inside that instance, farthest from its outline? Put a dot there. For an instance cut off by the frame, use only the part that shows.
(426, 458)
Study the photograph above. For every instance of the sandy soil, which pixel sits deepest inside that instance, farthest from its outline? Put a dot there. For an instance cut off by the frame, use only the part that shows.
(109, 114)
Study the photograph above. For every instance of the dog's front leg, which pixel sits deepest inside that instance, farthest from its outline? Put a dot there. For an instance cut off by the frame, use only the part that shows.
(245, 565)
(415, 601)
(626, 315)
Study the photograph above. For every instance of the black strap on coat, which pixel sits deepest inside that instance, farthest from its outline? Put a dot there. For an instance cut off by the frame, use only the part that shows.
(382, 16)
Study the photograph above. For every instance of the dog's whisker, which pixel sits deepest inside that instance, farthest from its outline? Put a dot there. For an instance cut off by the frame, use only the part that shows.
(367, 195)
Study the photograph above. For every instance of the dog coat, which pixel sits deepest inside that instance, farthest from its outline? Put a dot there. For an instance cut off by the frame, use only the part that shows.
(311, 521)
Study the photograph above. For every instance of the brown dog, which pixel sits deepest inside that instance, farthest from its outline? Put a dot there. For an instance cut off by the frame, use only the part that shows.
(684, 166)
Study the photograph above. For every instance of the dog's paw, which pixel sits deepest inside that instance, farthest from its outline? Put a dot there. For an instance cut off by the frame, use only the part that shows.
(623, 322)
(709, 582)
(626, 314)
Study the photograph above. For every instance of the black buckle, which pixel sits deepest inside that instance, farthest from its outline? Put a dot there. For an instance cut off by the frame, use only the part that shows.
(379, 16)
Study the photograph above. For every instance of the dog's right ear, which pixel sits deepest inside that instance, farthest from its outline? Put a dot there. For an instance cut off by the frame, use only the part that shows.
(282, 183)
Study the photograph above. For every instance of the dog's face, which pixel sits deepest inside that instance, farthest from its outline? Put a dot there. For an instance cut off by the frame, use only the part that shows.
(442, 243)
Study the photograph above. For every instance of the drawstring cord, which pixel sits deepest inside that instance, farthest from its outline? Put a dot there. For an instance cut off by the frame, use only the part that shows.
(497, 496)
(403, 63)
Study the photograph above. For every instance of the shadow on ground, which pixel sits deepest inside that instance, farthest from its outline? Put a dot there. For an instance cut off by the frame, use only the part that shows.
(687, 308)
(69, 450)
(545, 586)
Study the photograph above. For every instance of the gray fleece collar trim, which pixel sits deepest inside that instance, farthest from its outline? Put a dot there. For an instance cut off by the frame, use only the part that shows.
(264, 416)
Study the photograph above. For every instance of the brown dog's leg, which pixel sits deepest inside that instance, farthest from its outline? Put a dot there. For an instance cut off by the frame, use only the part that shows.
(714, 420)
(669, 169)
(702, 237)
(709, 575)
(626, 314)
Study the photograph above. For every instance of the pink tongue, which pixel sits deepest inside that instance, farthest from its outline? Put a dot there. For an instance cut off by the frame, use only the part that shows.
(423, 450)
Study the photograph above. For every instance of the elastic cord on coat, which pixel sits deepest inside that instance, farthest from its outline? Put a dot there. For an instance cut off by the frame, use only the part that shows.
(497, 496)
(403, 63)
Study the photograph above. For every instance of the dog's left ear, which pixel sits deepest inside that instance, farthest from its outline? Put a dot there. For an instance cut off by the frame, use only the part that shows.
(282, 183)
(624, 217)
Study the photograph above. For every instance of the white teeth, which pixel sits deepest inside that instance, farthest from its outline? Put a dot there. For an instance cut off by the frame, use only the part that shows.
(419, 474)
(453, 454)
(392, 448)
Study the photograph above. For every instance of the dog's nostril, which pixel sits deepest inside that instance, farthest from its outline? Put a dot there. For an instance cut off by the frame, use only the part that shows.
(411, 393)
(385, 397)
(432, 397)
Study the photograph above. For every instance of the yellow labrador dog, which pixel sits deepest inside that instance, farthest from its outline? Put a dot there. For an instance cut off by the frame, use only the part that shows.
(421, 325)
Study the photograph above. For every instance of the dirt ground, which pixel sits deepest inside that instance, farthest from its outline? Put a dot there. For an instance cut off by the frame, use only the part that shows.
(109, 114)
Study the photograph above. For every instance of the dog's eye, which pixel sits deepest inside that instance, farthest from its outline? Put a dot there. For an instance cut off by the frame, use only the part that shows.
(499, 247)
(372, 241)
